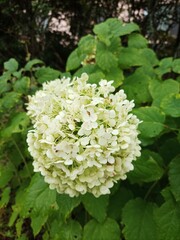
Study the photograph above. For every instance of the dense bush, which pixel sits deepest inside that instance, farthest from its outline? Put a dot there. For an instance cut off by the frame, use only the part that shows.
(144, 206)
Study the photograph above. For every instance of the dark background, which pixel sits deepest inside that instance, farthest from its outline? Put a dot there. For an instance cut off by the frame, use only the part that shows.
(27, 30)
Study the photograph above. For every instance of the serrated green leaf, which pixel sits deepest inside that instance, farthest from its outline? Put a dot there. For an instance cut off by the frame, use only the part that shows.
(176, 66)
(167, 220)
(22, 85)
(165, 66)
(30, 64)
(87, 45)
(72, 230)
(116, 74)
(34, 194)
(9, 100)
(6, 173)
(153, 121)
(73, 61)
(17, 124)
(174, 177)
(104, 58)
(136, 86)
(37, 221)
(138, 220)
(160, 90)
(4, 84)
(115, 26)
(5, 196)
(107, 230)
(67, 204)
(150, 56)
(102, 30)
(171, 105)
(126, 28)
(146, 168)
(136, 40)
(117, 201)
(96, 207)
(11, 65)
(130, 57)
(45, 74)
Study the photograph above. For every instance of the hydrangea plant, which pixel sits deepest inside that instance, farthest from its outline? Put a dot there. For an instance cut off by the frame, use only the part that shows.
(84, 137)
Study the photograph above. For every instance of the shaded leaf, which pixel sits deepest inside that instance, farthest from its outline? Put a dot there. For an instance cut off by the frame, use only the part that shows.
(45, 74)
(96, 207)
(73, 61)
(107, 230)
(146, 168)
(176, 66)
(102, 30)
(174, 177)
(138, 220)
(171, 105)
(136, 40)
(30, 64)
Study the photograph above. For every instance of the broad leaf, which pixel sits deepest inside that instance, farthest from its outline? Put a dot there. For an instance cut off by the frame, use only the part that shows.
(67, 204)
(107, 230)
(22, 85)
(5, 196)
(6, 173)
(146, 168)
(152, 121)
(136, 86)
(30, 64)
(167, 220)
(174, 177)
(136, 40)
(176, 66)
(45, 74)
(138, 220)
(165, 66)
(102, 30)
(96, 207)
(171, 105)
(160, 90)
(71, 230)
(73, 61)
(11, 65)
(9, 100)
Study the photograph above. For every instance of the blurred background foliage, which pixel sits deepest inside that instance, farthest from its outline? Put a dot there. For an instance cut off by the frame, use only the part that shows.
(50, 29)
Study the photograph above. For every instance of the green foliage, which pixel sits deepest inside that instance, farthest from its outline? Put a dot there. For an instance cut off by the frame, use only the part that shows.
(147, 204)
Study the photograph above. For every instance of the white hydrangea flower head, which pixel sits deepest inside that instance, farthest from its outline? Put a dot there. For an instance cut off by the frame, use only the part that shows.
(85, 136)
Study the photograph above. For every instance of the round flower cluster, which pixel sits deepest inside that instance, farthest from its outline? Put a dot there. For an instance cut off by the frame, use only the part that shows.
(84, 136)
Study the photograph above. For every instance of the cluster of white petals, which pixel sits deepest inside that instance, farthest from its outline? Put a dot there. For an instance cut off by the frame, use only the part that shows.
(84, 137)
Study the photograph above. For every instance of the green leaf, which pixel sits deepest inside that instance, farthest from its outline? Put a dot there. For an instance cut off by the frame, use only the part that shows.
(86, 46)
(5, 196)
(107, 230)
(34, 197)
(6, 173)
(150, 56)
(126, 28)
(96, 207)
(4, 82)
(138, 220)
(17, 124)
(22, 85)
(165, 66)
(44, 204)
(67, 204)
(176, 66)
(71, 230)
(11, 65)
(115, 26)
(136, 86)
(130, 57)
(30, 64)
(116, 74)
(102, 30)
(146, 168)
(9, 100)
(152, 121)
(73, 61)
(105, 59)
(171, 105)
(167, 220)
(117, 201)
(159, 90)
(136, 40)
(45, 74)
(174, 177)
